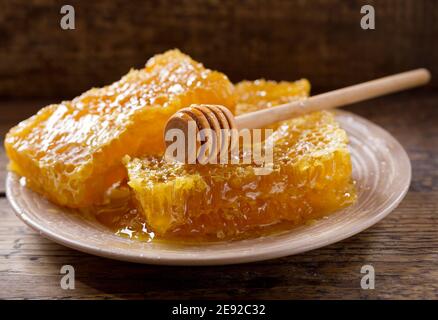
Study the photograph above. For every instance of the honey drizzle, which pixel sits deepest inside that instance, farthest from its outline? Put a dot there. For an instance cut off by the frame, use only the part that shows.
(125, 220)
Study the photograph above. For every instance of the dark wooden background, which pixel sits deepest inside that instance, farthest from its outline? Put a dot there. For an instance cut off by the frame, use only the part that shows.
(317, 39)
(282, 39)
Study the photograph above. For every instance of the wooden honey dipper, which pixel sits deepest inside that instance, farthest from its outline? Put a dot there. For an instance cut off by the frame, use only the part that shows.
(217, 117)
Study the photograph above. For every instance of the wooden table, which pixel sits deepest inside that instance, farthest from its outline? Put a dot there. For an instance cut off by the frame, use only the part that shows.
(403, 248)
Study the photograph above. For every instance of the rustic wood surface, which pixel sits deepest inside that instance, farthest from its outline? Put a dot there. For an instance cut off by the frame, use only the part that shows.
(279, 39)
(403, 248)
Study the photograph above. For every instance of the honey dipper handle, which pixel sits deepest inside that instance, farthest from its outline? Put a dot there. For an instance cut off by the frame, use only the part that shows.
(334, 99)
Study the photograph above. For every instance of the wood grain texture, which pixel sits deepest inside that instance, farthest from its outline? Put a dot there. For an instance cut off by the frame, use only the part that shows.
(403, 247)
(403, 250)
(318, 39)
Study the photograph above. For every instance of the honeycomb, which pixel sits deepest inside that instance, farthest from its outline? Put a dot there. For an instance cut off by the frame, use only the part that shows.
(311, 177)
(261, 94)
(71, 152)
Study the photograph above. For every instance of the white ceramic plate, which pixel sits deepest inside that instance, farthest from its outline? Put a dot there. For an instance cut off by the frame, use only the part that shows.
(381, 168)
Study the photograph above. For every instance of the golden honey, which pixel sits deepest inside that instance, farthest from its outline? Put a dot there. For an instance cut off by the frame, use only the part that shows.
(262, 94)
(311, 177)
(101, 153)
(71, 152)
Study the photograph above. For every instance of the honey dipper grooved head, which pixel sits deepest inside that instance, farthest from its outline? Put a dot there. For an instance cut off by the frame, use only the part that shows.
(191, 124)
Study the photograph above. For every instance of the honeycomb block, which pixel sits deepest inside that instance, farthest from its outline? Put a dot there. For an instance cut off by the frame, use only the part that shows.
(71, 152)
(311, 177)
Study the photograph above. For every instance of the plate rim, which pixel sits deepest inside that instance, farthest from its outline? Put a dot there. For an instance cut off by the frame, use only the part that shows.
(232, 259)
